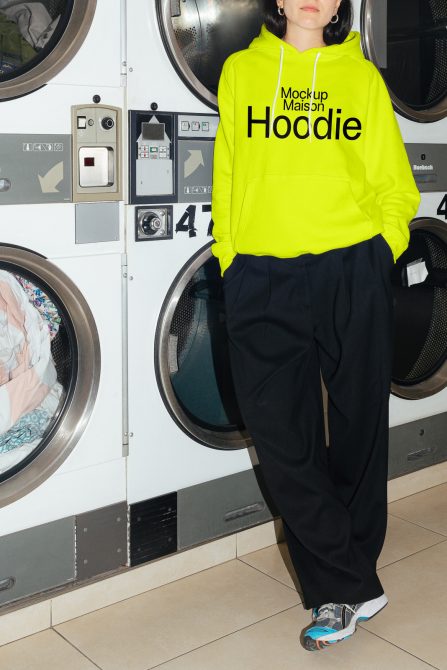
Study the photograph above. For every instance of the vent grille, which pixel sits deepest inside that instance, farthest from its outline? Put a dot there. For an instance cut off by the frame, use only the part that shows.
(153, 528)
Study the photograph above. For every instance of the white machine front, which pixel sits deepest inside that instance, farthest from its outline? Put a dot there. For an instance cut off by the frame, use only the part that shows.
(184, 424)
(68, 257)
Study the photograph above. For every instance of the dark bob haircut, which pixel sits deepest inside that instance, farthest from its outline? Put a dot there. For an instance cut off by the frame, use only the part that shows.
(333, 33)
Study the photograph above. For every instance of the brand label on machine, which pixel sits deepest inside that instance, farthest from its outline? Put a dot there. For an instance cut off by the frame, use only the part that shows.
(429, 165)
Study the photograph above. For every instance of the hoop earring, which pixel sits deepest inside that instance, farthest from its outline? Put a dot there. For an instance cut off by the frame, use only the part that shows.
(336, 17)
(281, 11)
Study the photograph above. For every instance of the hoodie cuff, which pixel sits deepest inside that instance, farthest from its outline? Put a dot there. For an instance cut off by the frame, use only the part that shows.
(225, 253)
(397, 242)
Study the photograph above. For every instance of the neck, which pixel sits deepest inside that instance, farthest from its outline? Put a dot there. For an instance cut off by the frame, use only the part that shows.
(303, 39)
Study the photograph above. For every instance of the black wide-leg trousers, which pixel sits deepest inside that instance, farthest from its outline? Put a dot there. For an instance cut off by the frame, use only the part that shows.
(288, 319)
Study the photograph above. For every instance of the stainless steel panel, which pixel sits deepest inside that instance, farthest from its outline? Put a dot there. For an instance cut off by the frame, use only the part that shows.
(417, 445)
(222, 506)
(97, 222)
(36, 559)
(101, 541)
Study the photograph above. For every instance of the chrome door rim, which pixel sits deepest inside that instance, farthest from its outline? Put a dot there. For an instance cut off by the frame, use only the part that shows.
(176, 56)
(79, 404)
(226, 440)
(69, 44)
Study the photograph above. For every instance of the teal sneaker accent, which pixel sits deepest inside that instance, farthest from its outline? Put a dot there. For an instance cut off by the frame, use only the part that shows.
(317, 631)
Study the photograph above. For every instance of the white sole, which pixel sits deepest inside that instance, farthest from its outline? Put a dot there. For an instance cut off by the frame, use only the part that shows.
(366, 611)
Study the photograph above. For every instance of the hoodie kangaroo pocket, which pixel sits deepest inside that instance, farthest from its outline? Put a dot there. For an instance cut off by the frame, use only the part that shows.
(289, 215)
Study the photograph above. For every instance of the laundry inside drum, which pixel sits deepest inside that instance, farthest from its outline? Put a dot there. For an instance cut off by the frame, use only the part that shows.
(29, 32)
(199, 362)
(36, 368)
(420, 309)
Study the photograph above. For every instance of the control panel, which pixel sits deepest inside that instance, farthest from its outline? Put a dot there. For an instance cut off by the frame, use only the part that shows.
(171, 157)
(96, 131)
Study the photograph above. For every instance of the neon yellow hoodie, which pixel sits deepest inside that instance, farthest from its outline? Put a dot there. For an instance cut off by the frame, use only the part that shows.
(308, 154)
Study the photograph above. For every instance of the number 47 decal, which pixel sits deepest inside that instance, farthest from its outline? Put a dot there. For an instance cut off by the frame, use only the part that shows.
(442, 209)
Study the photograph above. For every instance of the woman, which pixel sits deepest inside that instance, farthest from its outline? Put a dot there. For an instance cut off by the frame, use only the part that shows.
(312, 196)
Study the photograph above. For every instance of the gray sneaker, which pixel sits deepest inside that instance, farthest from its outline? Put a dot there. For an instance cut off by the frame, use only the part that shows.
(334, 622)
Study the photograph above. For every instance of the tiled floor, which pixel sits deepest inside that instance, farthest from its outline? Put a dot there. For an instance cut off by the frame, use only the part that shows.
(246, 614)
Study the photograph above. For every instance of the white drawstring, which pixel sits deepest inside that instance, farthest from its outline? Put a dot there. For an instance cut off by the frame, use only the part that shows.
(277, 89)
(312, 96)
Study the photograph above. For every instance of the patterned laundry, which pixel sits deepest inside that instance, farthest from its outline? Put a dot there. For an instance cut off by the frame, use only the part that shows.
(27, 370)
(42, 303)
(50, 407)
(27, 429)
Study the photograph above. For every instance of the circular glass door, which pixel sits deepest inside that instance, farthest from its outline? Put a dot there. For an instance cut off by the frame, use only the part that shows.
(192, 360)
(199, 35)
(49, 369)
(407, 40)
(419, 281)
(37, 40)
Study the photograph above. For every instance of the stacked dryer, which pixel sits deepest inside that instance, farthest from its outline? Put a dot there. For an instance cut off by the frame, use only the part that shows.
(407, 41)
(62, 471)
(190, 475)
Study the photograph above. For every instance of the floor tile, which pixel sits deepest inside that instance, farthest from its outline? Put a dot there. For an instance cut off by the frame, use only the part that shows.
(274, 644)
(414, 482)
(259, 537)
(120, 587)
(275, 562)
(24, 621)
(415, 618)
(427, 508)
(159, 625)
(43, 651)
(403, 539)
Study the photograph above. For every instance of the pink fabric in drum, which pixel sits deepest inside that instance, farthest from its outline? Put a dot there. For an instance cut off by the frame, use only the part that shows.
(27, 370)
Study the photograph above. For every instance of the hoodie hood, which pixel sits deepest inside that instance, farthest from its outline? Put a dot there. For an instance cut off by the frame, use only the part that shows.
(270, 43)
(350, 47)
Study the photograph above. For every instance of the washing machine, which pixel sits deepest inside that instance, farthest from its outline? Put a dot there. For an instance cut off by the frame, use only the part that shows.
(192, 474)
(406, 40)
(62, 459)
